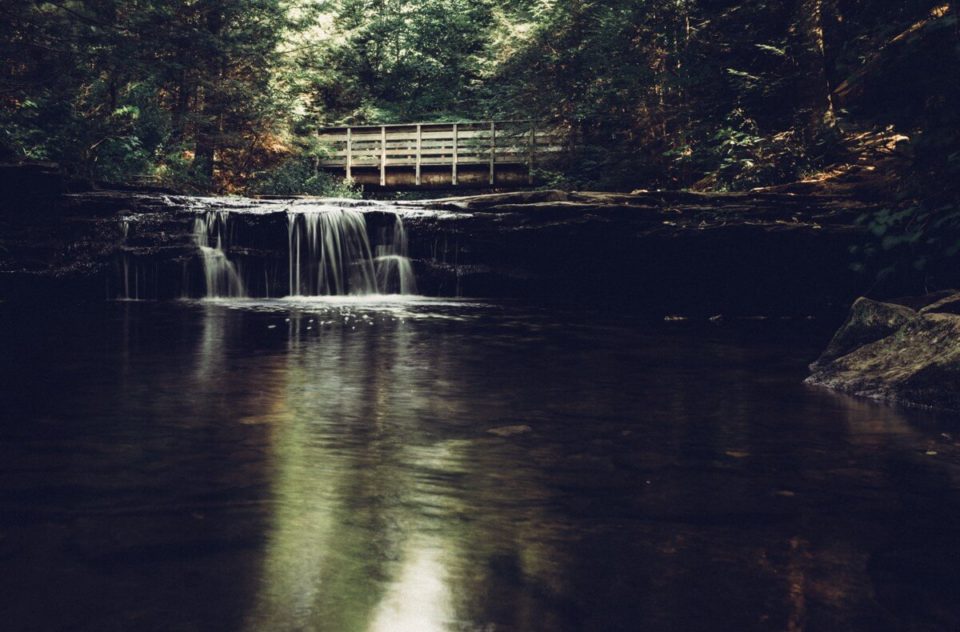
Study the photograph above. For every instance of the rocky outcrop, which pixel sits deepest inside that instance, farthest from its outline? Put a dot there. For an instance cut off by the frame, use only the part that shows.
(663, 252)
(917, 362)
(666, 252)
(949, 304)
(867, 322)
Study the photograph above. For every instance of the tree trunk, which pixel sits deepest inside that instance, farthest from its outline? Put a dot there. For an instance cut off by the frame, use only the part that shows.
(210, 105)
(832, 21)
(811, 54)
(180, 106)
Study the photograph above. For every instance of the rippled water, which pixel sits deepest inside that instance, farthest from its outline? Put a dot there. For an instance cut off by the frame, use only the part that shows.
(395, 464)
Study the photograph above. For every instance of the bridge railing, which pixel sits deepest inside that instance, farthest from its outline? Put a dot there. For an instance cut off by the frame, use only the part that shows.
(453, 145)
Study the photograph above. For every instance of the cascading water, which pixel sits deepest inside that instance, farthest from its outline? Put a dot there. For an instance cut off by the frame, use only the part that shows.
(220, 273)
(329, 251)
(130, 288)
(129, 280)
(136, 278)
(394, 270)
(330, 254)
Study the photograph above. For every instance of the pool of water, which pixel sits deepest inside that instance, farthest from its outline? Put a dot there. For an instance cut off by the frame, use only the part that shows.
(409, 464)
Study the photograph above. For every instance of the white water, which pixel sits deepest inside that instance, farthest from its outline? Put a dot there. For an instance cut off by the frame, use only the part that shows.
(222, 280)
(329, 251)
(133, 278)
(130, 280)
(394, 270)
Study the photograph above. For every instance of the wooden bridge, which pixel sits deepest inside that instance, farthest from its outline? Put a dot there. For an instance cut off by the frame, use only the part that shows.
(434, 155)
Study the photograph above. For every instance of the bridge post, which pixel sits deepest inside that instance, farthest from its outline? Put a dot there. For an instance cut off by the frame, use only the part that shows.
(419, 150)
(493, 151)
(383, 155)
(349, 153)
(454, 159)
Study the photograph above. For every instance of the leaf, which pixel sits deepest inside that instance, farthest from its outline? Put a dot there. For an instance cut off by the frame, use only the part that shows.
(779, 52)
(743, 75)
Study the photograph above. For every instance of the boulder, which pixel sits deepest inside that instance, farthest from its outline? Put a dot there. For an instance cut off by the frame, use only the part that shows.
(867, 322)
(918, 365)
(947, 305)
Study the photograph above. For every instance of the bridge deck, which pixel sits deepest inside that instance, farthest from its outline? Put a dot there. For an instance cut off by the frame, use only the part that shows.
(489, 144)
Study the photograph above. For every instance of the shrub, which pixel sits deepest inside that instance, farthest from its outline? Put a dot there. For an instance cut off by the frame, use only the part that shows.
(299, 176)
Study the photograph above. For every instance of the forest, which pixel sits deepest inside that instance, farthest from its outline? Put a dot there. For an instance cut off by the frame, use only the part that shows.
(226, 96)
(219, 94)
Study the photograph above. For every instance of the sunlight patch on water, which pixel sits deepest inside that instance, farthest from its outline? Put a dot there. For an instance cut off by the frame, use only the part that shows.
(354, 309)
(420, 600)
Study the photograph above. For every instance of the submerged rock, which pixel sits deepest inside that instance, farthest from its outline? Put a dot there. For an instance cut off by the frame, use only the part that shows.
(918, 363)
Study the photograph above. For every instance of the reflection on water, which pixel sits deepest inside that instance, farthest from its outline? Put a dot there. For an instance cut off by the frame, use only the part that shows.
(408, 464)
(418, 600)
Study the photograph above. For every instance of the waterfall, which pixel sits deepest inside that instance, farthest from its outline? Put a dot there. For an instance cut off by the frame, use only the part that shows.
(329, 249)
(131, 287)
(220, 273)
(394, 270)
(330, 254)
(133, 279)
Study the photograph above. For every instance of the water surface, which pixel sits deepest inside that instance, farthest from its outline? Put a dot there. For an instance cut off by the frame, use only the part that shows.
(407, 464)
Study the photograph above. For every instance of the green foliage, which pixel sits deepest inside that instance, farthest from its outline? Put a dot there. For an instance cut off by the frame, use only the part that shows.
(110, 89)
(747, 159)
(177, 170)
(298, 176)
(916, 246)
(915, 242)
(225, 95)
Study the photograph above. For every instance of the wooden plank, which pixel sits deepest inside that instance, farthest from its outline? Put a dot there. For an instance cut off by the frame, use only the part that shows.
(480, 137)
(454, 157)
(405, 136)
(349, 154)
(518, 158)
(383, 156)
(426, 161)
(504, 155)
(419, 150)
(436, 150)
(341, 129)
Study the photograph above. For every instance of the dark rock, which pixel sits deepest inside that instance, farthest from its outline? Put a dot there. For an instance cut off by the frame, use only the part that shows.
(867, 322)
(491, 200)
(34, 187)
(664, 251)
(949, 304)
(919, 364)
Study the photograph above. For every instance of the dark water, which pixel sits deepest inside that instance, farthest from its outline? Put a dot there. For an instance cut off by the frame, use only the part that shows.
(467, 467)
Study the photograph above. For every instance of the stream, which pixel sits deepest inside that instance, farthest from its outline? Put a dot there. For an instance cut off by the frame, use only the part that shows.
(392, 463)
